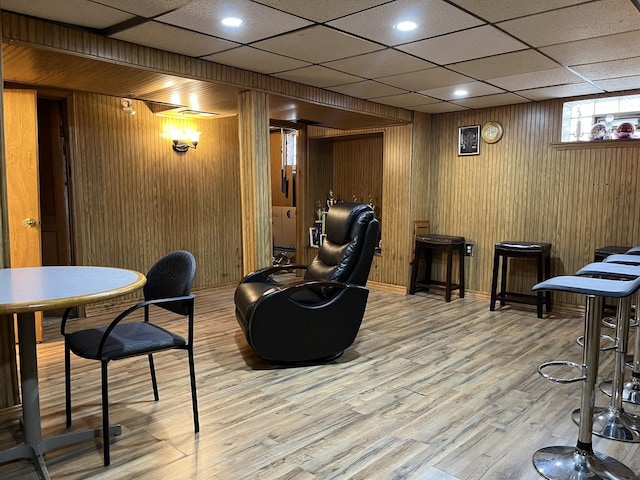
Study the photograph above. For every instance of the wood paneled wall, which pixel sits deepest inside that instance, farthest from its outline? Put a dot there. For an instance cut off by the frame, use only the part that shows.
(357, 169)
(392, 266)
(525, 188)
(135, 199)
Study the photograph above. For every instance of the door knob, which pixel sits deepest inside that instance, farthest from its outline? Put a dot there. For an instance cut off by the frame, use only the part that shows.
(30, 222)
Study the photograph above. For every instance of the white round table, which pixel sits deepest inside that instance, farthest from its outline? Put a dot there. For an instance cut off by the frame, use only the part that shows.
(26, 290)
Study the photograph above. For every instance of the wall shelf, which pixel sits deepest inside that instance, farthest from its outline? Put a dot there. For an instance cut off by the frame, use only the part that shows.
(633, 142)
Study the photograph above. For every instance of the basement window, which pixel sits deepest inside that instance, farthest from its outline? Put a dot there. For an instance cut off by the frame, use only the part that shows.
(596, 119)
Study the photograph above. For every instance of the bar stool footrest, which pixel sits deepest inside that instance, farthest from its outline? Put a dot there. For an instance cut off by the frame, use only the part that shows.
(562, 363)
(609, 338)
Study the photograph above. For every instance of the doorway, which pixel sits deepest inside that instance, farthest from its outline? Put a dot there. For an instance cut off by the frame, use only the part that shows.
(283, 153)
(54, 184)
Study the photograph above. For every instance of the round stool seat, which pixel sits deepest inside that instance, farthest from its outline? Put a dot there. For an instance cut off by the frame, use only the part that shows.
(523, 247)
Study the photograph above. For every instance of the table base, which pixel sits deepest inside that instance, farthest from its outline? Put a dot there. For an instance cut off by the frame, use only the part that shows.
(36, 452)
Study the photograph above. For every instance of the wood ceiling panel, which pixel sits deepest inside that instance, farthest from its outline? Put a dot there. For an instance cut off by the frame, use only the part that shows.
(48, 68)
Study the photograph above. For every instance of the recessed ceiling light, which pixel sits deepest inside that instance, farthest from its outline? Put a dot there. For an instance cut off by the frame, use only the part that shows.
(232, 22)
(460, 93)
(406, 26)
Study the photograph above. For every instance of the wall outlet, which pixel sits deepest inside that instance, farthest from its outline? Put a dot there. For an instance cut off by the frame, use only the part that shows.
(468, 249)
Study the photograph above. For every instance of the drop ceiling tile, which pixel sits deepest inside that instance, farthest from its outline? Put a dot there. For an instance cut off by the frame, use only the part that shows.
(317, 44)
(559, 91)
(591, 19)
(259, 22)
(256, 60)
(322, 11)
(173, 39)
(434, 17)
(492, 100)
(367, 89)
(513, 63)
(76, 12)
(613, 69)
(425, 79)
(440, 107)
(474, 89)
(144, 8)
(599, 49)
(379, 64)
(405, 100)
(619, 84)
(465, 45)
(317, 76)
(543, 78)
(497, 10)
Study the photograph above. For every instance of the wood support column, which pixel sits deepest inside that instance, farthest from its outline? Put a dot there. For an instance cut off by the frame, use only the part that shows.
(255, 180)
(9, 392)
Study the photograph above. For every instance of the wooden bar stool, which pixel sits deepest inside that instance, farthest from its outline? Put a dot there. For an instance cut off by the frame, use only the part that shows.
(448, 245)
(601, 253)
(567, 462)
(541, 252)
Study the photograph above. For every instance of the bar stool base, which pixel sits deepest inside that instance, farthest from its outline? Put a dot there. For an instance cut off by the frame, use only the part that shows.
(613, 424)
(571, 463)
(630, 391)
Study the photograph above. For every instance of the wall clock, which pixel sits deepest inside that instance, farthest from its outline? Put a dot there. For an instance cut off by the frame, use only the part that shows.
(492, 132)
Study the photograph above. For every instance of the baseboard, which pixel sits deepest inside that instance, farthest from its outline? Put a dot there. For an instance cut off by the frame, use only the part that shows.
(387, 287)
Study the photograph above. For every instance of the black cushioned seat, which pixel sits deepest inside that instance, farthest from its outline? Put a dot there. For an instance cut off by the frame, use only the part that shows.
(123, 341)
(314, 319)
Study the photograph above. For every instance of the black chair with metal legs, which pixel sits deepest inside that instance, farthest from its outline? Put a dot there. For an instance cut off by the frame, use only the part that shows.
(581, 461)
(168, 286)
(613, 422)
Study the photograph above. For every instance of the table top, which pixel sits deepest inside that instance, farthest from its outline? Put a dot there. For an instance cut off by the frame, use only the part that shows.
(42, 288)
(435, 238)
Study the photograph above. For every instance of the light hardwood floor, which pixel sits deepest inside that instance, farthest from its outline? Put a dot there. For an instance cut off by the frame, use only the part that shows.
(429, 390)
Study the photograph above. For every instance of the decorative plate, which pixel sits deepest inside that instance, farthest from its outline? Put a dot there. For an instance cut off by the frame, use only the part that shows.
(492, 132)
(598, 131)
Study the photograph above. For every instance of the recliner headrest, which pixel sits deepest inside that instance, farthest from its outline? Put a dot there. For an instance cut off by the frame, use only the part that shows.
(341, 221)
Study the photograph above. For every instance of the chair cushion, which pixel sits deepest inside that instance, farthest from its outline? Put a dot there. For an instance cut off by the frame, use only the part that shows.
(171, 276)
(126, 339)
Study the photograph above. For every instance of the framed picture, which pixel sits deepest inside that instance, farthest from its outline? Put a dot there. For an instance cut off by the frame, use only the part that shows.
(313, 237)
(469, 140)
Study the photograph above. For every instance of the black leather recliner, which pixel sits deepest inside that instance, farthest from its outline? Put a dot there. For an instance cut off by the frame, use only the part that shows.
(315, 319)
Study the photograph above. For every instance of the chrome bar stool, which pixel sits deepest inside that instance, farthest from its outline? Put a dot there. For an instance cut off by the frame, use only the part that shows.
(631, 389)
(613, 422)
(598, 256)
(580, 461)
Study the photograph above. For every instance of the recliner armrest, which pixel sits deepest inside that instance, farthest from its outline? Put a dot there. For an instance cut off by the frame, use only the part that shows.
(264, 274)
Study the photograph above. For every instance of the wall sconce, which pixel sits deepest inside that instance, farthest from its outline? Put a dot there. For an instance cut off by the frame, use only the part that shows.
(183, 140)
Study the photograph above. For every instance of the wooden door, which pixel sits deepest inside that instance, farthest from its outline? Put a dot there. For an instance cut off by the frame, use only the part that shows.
(21, 146)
